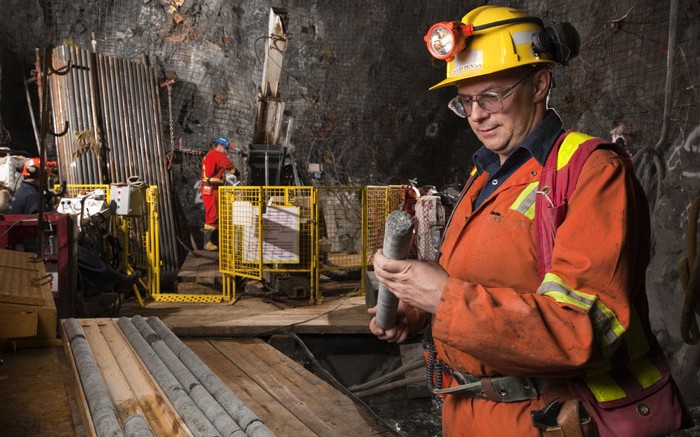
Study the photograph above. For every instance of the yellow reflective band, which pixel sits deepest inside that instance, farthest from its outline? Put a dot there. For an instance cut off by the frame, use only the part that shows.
(569, 146)
(473, 172)
(644, 371)
(608, 328)
(525, 203)
(604, 388)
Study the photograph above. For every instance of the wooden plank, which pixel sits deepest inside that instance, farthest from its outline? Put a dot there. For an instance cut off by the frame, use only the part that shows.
(18, 321)
(250, 317)
(200, 266)
(323, 409)
(123, 398)
(157, 408)
(77, 386)
(24, 278)
(267, 408)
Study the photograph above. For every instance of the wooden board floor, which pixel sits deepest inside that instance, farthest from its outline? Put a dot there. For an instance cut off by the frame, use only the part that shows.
(42, 395)
(289, 399)
(257, 314)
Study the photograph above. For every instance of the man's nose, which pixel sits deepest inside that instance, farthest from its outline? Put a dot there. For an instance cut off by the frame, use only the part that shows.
(477, 112)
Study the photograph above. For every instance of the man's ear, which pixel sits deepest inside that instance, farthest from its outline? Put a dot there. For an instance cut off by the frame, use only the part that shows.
(542, 82)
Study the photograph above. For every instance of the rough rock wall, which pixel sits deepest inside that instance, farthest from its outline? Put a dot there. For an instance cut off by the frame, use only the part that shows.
(355, 80)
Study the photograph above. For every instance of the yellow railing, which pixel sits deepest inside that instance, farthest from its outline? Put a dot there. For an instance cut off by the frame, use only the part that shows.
(137, 236)
(319, 231)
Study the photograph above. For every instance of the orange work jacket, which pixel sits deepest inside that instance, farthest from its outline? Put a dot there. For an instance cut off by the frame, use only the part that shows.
(497, 316)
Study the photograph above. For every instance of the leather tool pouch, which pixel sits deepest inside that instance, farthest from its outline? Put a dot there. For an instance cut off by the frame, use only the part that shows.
(564, 419)
(207, 190)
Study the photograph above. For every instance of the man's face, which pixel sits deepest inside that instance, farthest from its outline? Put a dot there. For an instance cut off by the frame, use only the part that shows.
(501, 132)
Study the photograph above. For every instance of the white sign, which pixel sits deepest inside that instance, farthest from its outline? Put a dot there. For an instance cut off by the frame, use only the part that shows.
(280, 231)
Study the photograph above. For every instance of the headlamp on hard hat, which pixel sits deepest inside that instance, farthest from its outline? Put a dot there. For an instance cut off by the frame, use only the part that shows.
(447, 38)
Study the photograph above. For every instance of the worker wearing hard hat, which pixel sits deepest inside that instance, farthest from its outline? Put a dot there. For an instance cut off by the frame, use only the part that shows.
(537, 305)
(27, 198)
(215, 165)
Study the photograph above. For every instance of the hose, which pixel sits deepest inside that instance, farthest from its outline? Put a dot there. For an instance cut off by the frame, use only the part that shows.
(390, 386)
(398, 233)
(689, 276)
(411, 365)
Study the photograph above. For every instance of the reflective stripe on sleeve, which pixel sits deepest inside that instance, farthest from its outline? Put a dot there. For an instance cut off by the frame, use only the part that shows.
(608, 329)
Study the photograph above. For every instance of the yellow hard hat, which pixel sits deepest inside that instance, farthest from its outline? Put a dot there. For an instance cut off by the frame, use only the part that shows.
(487, 40)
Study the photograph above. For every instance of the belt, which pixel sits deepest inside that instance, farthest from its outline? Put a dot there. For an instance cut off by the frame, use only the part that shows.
(497, 389)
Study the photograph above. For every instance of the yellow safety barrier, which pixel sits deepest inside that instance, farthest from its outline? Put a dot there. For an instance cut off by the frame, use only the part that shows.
(306, 232)
(137, 237)
(265, 230)
(315, 231)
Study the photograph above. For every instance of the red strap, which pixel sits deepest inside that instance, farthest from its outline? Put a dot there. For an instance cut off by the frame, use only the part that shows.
(554, 190)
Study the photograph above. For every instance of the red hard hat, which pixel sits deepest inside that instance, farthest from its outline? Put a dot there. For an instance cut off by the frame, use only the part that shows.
(31, 167)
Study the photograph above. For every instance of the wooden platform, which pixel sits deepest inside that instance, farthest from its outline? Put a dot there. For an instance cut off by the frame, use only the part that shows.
(256, 314)
(201, 267)
(290, 400)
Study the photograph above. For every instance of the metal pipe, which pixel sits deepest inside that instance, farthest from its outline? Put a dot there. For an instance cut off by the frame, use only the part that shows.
(195, 419)
(104, 415)
(398, 233)
(76, 173)
(244, 416)
(204, 400)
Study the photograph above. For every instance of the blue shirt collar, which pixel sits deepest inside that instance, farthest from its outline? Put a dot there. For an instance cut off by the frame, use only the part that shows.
(538, 144)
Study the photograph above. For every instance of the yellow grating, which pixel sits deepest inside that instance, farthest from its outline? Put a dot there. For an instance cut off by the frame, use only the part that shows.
(339, 240)
(380, 202)
(192, 298)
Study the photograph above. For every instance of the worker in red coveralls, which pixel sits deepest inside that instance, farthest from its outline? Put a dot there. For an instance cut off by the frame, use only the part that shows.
(215, 165)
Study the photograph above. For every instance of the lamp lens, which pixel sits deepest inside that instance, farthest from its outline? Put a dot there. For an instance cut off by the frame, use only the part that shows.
(441, 41)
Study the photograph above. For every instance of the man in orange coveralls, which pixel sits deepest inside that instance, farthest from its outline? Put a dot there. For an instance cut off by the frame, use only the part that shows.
(215, 165)
(563, 350)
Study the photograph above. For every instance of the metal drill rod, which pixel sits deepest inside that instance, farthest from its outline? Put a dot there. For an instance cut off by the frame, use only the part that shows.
(76, 173)
(398, 233)
(93, 121)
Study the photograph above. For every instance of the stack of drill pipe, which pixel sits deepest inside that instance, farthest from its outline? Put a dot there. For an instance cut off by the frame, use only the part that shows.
(205, 403)
(243, 415)
(397, 242)
(102, 410)
(117, 101)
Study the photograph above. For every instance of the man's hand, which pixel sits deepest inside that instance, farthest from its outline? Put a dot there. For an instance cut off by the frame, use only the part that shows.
(417, 283)
(397, 333)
